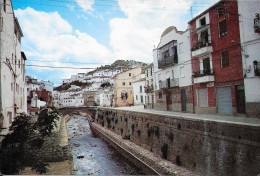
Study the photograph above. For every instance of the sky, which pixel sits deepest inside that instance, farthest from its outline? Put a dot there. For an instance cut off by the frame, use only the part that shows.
(84, 34)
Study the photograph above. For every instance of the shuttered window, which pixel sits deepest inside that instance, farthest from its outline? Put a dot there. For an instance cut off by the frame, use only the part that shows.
(224, 58)
(202, 97)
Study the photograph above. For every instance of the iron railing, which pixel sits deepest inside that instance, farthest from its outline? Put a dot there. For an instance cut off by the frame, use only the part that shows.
(171, 60)
(169, 83)
(203, 73)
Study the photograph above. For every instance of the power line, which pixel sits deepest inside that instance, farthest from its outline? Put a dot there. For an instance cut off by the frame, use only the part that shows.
(59, 67)
(67, 62)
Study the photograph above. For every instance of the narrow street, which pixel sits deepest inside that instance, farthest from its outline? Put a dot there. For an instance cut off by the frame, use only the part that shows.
(91, 155)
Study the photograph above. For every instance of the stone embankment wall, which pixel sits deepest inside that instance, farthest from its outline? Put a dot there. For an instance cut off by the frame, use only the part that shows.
(56, 147)
(203, 147)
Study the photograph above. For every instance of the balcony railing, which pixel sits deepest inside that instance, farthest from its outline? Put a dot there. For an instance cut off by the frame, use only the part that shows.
(200, 45)
(169, 83)
(148, 89)
(168, 61)
(257, 23)
(203, 73)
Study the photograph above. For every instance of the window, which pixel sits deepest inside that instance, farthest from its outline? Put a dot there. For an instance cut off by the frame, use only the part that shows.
(5, 5)
(147, 73)
(136, 97)
(202, 21)
(206, 66)
(151, 71)
(123, 83)
(221, 11)
(222, 28)
(203, 37)
(160, 95)
(141, 89)
(129, 74)
(224, 58)
(168, 82)
(130, 83)
(142, 99)
(202, 97)
(256, 68)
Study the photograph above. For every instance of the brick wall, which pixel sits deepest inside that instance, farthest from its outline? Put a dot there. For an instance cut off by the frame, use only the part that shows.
(206, 148)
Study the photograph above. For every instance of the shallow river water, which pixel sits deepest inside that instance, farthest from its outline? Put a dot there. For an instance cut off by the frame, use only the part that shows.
(91, 155)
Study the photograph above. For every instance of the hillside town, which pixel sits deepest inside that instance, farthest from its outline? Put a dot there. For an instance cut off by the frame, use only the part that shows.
(211, 68)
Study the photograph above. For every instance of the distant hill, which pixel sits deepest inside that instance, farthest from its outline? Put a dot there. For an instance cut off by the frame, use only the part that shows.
(118, 64)
(124, 64)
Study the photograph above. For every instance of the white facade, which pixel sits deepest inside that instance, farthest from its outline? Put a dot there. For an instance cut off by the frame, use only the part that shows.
(12, 69)
(72, 101)
(139, 92)
(106, 98)
(180, 71)
(48, 86)
(250, 43)
(149, 85)
(68, 98)
(35, 102)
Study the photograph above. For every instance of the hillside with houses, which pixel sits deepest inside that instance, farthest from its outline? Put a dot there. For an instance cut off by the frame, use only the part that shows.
(93, 88)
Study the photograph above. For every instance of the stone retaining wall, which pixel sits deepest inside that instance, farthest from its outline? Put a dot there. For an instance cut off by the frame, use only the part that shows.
(56, 147)
(203, 147)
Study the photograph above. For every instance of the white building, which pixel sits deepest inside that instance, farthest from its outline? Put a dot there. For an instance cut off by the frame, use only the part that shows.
(48, 86)
(149, 87)
(139, 92)
(12, 67)
(249, 24)
(106, 98)
(68, 98)
(72, 101)
(172, 68)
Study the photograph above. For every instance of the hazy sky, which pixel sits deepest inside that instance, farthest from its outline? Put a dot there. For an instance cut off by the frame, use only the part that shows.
(90, 33)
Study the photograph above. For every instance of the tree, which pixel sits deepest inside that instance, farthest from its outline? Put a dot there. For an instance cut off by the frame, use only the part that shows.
(26, 133)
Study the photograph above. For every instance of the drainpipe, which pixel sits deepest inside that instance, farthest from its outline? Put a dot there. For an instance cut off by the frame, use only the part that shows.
(1, 27)
(192, 79)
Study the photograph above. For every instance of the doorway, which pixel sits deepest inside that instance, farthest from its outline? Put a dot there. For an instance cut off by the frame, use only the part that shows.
(240, 99)
(183, 100)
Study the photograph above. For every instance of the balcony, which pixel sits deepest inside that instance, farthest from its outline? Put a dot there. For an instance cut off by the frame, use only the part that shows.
(257, 23)
(201, 49)
(169, 61)
(148, 89)
(203, 76)
(169, 83)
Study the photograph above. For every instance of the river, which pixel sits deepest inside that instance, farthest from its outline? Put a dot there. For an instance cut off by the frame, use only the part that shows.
(91, 155)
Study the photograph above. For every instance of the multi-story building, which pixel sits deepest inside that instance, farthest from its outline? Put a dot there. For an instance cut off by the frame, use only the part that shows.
(149, 86)
(249, 27)
(172, 71)
(39, 94)
(47, 86)
(12, 67)
(123, 88)
(68, 98)
(216, 60)
(139, 91)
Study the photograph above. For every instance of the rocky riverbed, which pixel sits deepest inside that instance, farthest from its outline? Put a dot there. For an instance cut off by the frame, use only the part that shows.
(91, 155)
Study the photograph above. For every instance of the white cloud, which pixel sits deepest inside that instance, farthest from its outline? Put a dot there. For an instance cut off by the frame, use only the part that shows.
(48, 37)
(135, 36)
(86, 5)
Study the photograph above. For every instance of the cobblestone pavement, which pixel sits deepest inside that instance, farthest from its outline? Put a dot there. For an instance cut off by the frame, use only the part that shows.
(204, 117)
